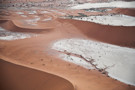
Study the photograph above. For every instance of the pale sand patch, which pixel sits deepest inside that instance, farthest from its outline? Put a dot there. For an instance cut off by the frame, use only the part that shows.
(118, 61)
(113, 4)
(76, 60)
(24, 15)
(32, 12)
(32, 21)
(44, 12)
(47, 19)
(20, 13)
(114, 20)
(8, 35)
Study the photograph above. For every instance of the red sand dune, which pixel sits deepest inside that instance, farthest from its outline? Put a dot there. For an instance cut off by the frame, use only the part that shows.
(12, 26)
(15, 77)
(36, 53)
(119, 35)
(33, 52)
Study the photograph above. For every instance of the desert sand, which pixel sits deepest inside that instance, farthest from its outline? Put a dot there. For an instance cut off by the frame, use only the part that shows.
(31, 50)
(29, 79)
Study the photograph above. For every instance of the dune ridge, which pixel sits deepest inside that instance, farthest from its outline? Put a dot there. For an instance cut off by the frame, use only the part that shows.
(12, 26)
(15, 77)
(118, 35)
(36, 52)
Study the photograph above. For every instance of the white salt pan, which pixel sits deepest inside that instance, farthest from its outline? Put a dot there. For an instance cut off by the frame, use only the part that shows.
(119, 61)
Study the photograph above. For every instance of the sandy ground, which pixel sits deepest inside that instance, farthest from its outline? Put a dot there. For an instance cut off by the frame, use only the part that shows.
(36, 51)
(29, 79)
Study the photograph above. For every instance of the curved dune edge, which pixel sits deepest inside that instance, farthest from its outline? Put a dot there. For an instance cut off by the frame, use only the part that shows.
(117, 35)
(27, 54)
(12, 26)
(15, 77)
(25, 24)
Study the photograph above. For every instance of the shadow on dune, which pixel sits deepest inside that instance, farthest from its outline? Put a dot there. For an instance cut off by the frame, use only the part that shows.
(119, 35)
(15, 77)
(9, 25)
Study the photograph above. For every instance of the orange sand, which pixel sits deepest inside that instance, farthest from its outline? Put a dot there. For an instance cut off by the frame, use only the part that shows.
(36, 53)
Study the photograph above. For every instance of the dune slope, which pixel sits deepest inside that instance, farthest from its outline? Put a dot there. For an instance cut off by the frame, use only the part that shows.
(15, 77)
(11, 26)
(119, 35)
